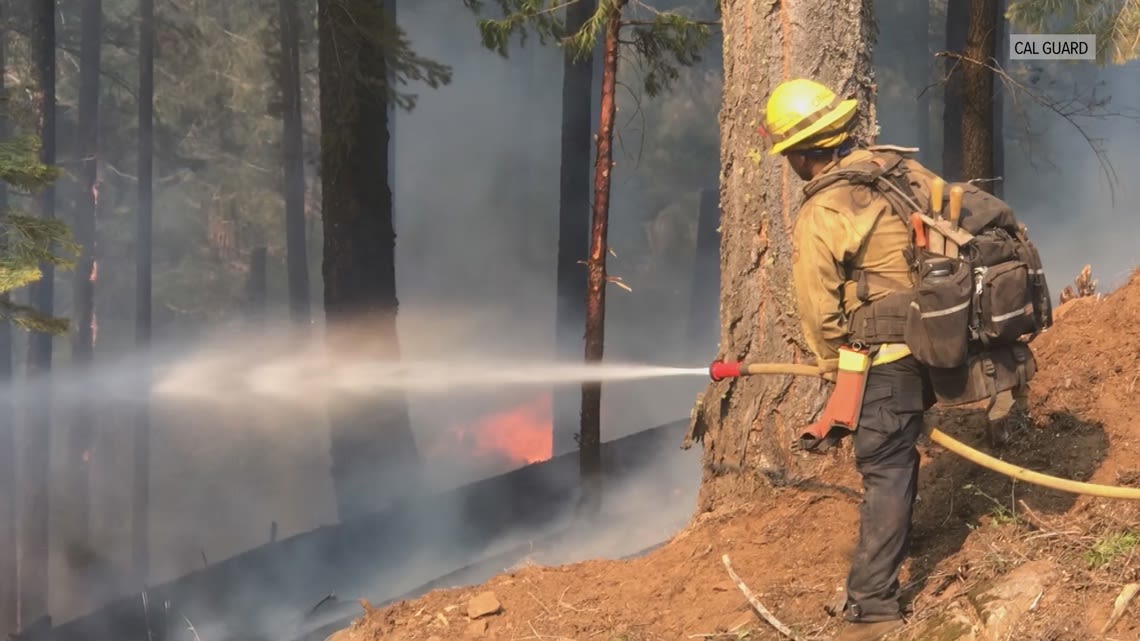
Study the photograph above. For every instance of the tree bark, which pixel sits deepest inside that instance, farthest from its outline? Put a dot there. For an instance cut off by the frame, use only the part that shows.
(77, 493)
(35, 523)
(140, 499)
(374, 456)
(573, 223)
(746, 424)
(590, 439)
(9, 534)
(296, 258)
(978, 94)
(957, 26)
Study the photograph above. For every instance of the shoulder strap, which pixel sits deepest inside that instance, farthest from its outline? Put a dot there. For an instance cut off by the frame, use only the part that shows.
(885, 172)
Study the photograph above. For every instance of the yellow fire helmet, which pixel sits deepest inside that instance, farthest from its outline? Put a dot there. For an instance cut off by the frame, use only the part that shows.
(804, 111)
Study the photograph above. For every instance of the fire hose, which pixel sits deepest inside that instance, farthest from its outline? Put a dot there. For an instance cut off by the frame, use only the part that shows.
(720, 370)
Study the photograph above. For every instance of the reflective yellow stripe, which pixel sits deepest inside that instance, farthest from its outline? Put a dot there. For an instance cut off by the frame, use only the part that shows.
(890, 353)
(852, 361)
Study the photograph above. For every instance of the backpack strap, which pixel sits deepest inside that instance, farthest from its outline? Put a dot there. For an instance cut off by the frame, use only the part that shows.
(884, 172)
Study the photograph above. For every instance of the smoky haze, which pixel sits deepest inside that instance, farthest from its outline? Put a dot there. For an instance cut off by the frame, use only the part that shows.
(476, 199)
(1052, 177)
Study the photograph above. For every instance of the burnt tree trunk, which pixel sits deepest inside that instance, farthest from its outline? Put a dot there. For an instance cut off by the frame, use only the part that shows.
(746, 424)
(953, 112)
(9, 537)
(373, 452)
(573, 223)
(77, 493)
(140, 495)
(296, 258)
(35, 522)
(978, 94)
(590, 438)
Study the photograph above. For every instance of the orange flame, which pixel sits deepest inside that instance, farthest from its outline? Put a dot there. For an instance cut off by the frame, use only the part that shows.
(522, 434)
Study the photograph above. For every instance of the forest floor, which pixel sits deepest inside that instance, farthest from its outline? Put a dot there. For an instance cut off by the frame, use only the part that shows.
(791, 544)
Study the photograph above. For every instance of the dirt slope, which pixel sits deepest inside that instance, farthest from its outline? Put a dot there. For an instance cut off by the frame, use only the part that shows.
(791, 544)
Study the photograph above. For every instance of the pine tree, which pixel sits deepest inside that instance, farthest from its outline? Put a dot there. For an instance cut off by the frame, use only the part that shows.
(364, 56)
(28, 241)
(746, 424)
(1116, 23)
(661, 41)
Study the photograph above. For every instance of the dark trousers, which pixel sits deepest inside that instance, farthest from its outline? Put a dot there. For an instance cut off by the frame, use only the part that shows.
(896, 396)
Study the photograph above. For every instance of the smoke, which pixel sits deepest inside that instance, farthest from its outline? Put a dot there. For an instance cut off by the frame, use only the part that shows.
(476, 196)
(1077, 211)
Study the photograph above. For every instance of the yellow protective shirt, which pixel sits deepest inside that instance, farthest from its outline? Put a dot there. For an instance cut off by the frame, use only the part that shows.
(838, 230)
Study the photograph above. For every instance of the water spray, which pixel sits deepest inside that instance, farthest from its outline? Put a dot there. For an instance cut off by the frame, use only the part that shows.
(720, 370)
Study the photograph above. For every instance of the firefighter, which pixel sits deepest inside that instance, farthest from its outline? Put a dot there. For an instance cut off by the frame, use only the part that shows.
(848, 259)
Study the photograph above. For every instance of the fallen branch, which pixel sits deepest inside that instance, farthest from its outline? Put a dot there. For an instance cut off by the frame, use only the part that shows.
(756, 605)
(1120, 606)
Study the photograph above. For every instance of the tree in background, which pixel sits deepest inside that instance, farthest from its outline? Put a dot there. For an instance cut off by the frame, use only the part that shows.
(746, 424)
(573, 226)
(9, 540)
(661, 40)
(35, 515)
(1116, 23)
(364, 55)
(957, 32)
(144, 259)
(27, 243)
(77, 487)
(292, 146)
(978, 135)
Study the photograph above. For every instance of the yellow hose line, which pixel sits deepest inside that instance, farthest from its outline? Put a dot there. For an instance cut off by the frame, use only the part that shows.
(1029, 476)
(967, 452)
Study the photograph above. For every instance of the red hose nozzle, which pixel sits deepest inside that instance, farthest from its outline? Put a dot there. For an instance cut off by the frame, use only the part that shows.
(720, 370)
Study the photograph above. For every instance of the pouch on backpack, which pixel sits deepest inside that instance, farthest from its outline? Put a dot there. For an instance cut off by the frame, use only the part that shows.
(937, 324)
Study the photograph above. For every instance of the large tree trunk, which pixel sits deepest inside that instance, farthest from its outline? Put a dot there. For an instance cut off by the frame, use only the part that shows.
(296, 258)
(9, 585)
(35, 524)
(590, 440)
(373, 451)
(748, 423)
(978, 94)
(77, 493)
(957, 26)
(573, 223)
(140, 499)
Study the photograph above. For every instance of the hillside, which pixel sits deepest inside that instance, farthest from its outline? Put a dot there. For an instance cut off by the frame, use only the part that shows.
(1048, 564)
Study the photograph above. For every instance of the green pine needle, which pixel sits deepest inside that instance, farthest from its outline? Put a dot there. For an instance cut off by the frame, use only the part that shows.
(1116, 23)
(662, 43)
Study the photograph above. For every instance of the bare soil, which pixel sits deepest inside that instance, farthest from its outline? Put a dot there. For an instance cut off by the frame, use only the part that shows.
(791, 544)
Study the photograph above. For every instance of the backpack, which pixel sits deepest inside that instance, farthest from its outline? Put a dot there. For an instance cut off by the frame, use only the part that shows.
(968, 318)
